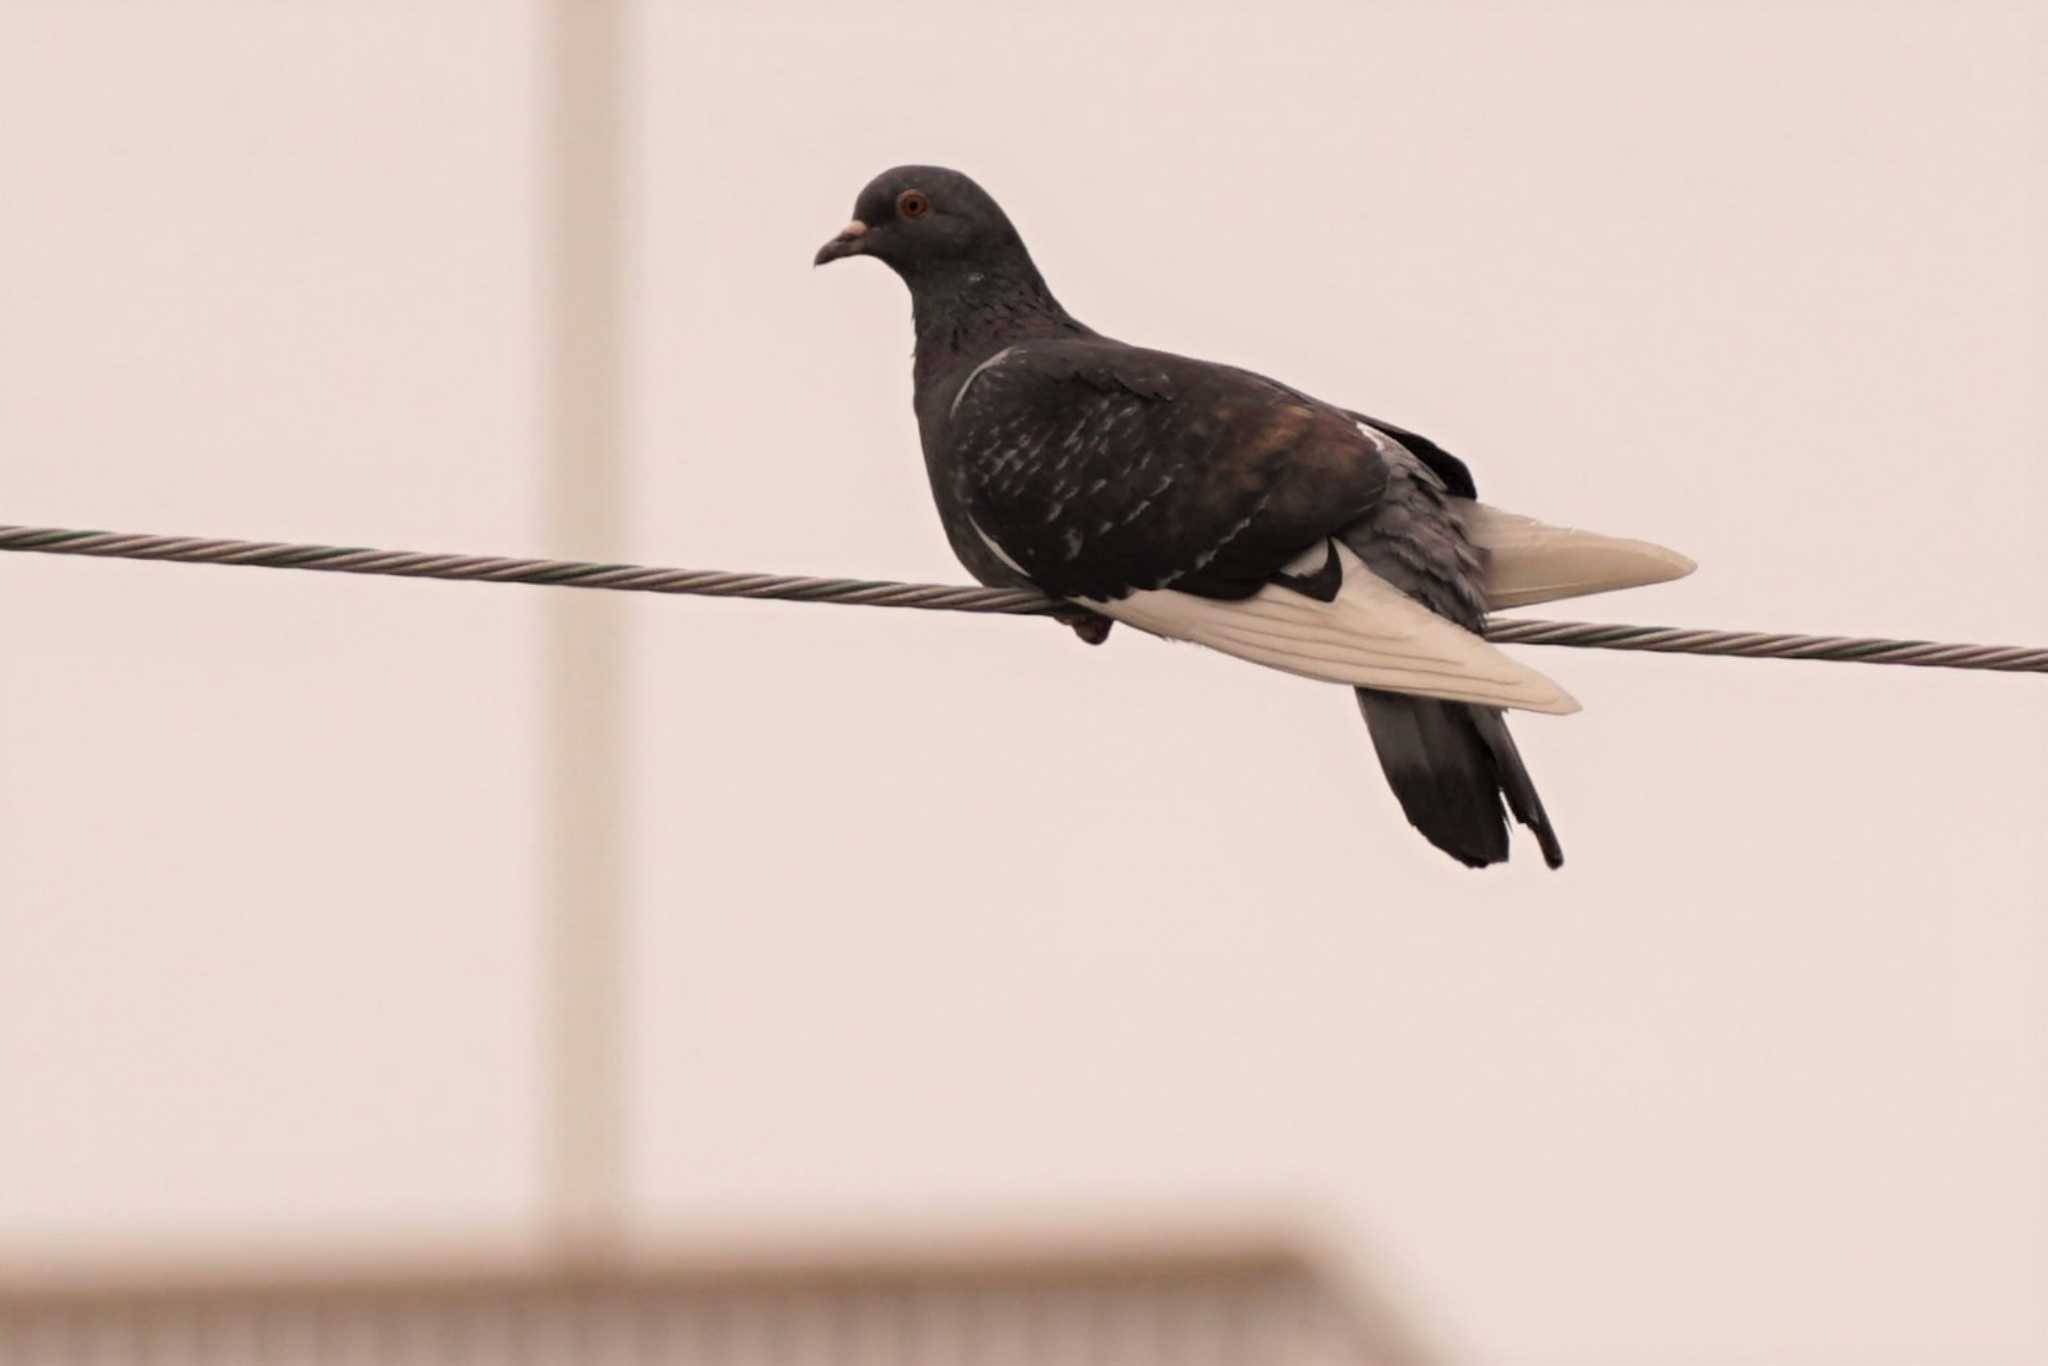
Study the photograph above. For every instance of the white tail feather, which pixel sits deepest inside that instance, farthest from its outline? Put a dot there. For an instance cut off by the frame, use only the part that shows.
(1530, 561)
(1371, 636)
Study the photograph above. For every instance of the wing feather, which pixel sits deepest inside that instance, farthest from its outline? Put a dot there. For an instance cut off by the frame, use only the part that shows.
(1100, 468)
(1371, 636)
(1529, 561)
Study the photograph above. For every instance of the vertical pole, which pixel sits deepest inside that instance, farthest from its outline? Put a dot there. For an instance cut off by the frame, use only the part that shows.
(582, 874)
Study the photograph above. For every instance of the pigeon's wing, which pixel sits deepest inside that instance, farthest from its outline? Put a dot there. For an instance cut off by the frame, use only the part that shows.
(1201, 502)
(1098, 468)
(1369, 634)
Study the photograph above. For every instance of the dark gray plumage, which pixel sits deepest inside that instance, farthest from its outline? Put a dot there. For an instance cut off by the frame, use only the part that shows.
(1103, 473)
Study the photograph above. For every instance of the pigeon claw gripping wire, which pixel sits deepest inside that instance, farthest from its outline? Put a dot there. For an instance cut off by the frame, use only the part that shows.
(1092, 627)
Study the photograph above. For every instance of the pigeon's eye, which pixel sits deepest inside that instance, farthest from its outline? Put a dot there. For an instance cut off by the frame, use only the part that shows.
(913, 204)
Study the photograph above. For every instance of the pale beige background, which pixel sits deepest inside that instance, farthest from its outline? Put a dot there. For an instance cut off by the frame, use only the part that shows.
(939, 914)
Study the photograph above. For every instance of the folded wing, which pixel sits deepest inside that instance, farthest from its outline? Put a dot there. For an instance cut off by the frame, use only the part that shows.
(1370, 635)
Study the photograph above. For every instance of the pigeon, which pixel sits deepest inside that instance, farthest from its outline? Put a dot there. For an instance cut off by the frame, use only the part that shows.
(1201, 502)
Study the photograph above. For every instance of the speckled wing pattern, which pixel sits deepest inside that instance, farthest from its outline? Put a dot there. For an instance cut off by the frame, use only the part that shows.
(1098, 468)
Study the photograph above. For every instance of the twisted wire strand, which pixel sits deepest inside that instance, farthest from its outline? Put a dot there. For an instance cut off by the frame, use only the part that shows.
(938, 597)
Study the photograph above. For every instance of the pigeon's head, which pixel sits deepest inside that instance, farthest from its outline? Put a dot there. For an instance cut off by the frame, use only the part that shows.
(922, 221)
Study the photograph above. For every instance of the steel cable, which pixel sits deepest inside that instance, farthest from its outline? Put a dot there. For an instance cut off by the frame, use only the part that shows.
(954, 597)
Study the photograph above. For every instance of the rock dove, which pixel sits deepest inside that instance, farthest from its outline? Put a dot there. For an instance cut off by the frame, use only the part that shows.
(1205, 503)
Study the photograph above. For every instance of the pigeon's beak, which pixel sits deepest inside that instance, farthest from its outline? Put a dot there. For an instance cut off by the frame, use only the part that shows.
(851, 241)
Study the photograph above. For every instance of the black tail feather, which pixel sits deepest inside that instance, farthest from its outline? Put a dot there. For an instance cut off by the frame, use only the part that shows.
(1450, 764)
(1515, 784)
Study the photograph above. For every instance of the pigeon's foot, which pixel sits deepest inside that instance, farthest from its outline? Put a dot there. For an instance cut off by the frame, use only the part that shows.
(1092, 627)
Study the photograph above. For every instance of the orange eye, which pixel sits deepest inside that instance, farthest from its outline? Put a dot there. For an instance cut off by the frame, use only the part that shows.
(913, 204)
